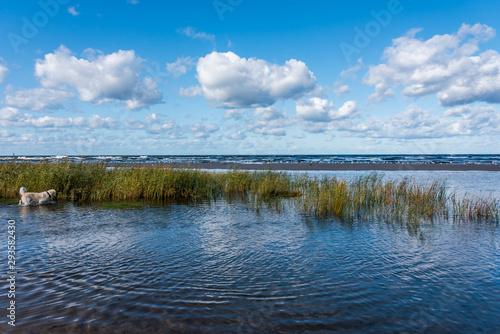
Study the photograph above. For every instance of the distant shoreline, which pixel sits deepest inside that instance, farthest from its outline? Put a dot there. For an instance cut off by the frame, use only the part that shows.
(322, 166)
(306, 166)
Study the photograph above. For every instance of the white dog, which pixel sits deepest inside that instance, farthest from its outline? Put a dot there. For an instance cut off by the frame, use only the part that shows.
(36, 198)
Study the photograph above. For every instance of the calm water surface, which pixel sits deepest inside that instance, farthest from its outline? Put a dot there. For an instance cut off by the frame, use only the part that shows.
(223, 267)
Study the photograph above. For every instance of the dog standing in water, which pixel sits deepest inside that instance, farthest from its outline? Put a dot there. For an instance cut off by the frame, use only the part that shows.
(36, 198)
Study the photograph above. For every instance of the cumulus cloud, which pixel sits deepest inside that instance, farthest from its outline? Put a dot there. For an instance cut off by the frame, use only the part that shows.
(445, 65)
(12, 117)
(114, 77)
(229, 81)
(3, 73)
(38, 98)
(181, 66)
(316, 109)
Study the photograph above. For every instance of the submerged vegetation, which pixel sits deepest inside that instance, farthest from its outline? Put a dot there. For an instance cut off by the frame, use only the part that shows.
(364, 196)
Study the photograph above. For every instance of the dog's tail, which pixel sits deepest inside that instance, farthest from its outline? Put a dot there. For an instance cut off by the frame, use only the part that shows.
(22, 191)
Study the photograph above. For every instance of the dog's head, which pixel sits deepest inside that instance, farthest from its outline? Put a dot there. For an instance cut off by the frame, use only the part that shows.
(52, 193)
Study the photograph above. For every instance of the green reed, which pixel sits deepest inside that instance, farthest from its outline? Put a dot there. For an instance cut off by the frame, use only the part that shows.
(365, 196)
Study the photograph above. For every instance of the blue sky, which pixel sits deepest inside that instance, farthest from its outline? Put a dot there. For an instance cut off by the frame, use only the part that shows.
(249, 77)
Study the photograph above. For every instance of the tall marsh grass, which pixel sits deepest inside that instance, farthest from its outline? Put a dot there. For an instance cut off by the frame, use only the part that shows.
(364, 196)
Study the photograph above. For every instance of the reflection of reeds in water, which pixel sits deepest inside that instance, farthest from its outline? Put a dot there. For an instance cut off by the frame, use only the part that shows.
(365, 196)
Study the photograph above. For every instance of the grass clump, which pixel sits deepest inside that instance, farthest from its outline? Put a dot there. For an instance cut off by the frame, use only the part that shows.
(364, 196)
(475, 208)
(9, 201)
(369, 196)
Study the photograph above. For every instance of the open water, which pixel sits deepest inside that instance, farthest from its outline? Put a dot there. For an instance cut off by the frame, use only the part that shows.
(338, 159)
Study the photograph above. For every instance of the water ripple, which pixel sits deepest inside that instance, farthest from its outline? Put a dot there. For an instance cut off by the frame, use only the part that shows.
(223, 268)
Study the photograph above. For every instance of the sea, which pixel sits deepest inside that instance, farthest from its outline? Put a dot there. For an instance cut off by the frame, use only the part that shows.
(227, 267)
(263, 159)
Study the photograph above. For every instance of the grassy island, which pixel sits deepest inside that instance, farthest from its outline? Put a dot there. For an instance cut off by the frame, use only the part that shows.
(364, 196)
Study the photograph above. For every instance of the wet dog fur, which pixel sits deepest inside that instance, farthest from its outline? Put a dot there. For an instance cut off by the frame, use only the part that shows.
(36, 198)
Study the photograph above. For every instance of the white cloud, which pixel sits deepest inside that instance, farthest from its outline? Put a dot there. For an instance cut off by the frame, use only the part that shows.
(235, 113)
(190, 91)
(263, 120)
(268, 113)
(412, 123)
(416, 123)
(340, 90)
(201, 130)
(134, 124)
(144, 94)
(133, 2)
(165, 126)
(351, 71)
(347, 109)
(191, 32)
(237, 135)
(153, 123)
(474, 120)
(445, 65)
(229, 81)
(97, 122)
(320, 110)
(11, 117)
(3, 72)
(457, 111)
(181, 66)
(37, 98)
(6, 133)
(114, 77)
(153, 118)
(271, 128)
(158, 128)
(157, 125)
(51, 122)
(72, 11)
(271, 121)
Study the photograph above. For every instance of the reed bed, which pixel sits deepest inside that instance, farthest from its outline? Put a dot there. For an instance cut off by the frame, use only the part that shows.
(364, 196)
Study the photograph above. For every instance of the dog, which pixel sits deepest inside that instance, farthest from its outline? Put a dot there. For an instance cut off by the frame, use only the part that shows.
(36, 198)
